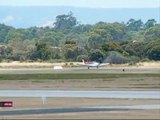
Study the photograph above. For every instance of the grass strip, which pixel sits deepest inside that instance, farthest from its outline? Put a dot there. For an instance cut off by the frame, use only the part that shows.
(71, 76)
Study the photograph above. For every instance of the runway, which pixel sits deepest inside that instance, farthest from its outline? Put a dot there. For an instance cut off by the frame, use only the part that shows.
(80, 109)
(81, 94)
(79, 70)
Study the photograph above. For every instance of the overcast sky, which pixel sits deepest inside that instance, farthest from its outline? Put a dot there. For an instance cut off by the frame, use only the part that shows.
(85, 3)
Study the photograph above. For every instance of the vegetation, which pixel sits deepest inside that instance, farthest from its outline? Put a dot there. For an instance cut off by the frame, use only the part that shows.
(70, 41)
(73, 76)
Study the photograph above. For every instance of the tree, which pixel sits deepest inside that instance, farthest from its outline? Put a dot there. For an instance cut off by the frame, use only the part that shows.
(5, 52)
(135, 25)
(16, 35)
(41, 52)
(21, 49)
(134, 36)
(96, 55)
(116, 58)
(3, 32)
(65, 22)
(153, 50)
(110, 31)
(72, 51)
(153, 33)
(50, 38)
(81, 29)
(150, 23)
(111, 46)
(72, 41)
(95, 41)
(135, 48)
(154, 53)
(118, 31)
(55, 52)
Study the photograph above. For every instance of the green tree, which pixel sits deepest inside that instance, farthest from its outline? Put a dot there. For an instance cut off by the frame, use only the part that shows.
(153, 50)
(41, 52)
(135, 25)
(71, 50)
(150, 23)
(50, 38)
(65, 22)
(5, 52)
(3, 32)
(116, 58)
(112, 46)
(153, 33)
(134, 36)
(16, 35)
(82, 28)
(95, 41)
(154, 53)
(96, 55)
(135, 48)
(55, 53)
(21, 49)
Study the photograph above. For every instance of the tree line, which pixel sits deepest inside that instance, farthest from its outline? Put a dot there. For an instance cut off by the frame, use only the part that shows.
(68, 40)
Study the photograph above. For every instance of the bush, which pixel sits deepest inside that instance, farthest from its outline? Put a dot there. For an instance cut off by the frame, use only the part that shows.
(134, 59)
(116, 58)
(145, 60)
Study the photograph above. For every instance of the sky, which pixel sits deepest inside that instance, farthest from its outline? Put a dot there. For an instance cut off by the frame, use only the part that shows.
(85, 3)
(13, 12)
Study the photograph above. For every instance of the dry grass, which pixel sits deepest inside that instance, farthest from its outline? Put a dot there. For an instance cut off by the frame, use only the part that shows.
(150, 64)
(17, 64)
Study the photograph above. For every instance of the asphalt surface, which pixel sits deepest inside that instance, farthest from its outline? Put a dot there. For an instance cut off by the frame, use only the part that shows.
(79, 109)
(56, 110)
(81, 94)
(79, 70)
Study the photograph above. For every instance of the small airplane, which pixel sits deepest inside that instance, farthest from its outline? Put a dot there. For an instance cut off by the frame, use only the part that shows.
(91, 64)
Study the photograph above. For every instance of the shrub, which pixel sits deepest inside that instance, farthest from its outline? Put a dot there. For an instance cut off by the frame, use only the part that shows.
(116, 58)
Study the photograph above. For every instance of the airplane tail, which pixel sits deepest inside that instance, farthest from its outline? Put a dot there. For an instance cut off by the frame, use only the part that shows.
(83, 61)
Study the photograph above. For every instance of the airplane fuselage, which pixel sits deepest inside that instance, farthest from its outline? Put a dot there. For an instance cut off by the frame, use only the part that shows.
(92, 64)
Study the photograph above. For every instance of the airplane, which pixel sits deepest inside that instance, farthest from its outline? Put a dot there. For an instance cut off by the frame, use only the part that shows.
(91, 64)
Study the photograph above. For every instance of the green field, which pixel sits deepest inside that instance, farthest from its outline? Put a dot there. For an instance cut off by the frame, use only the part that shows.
(73, 76)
